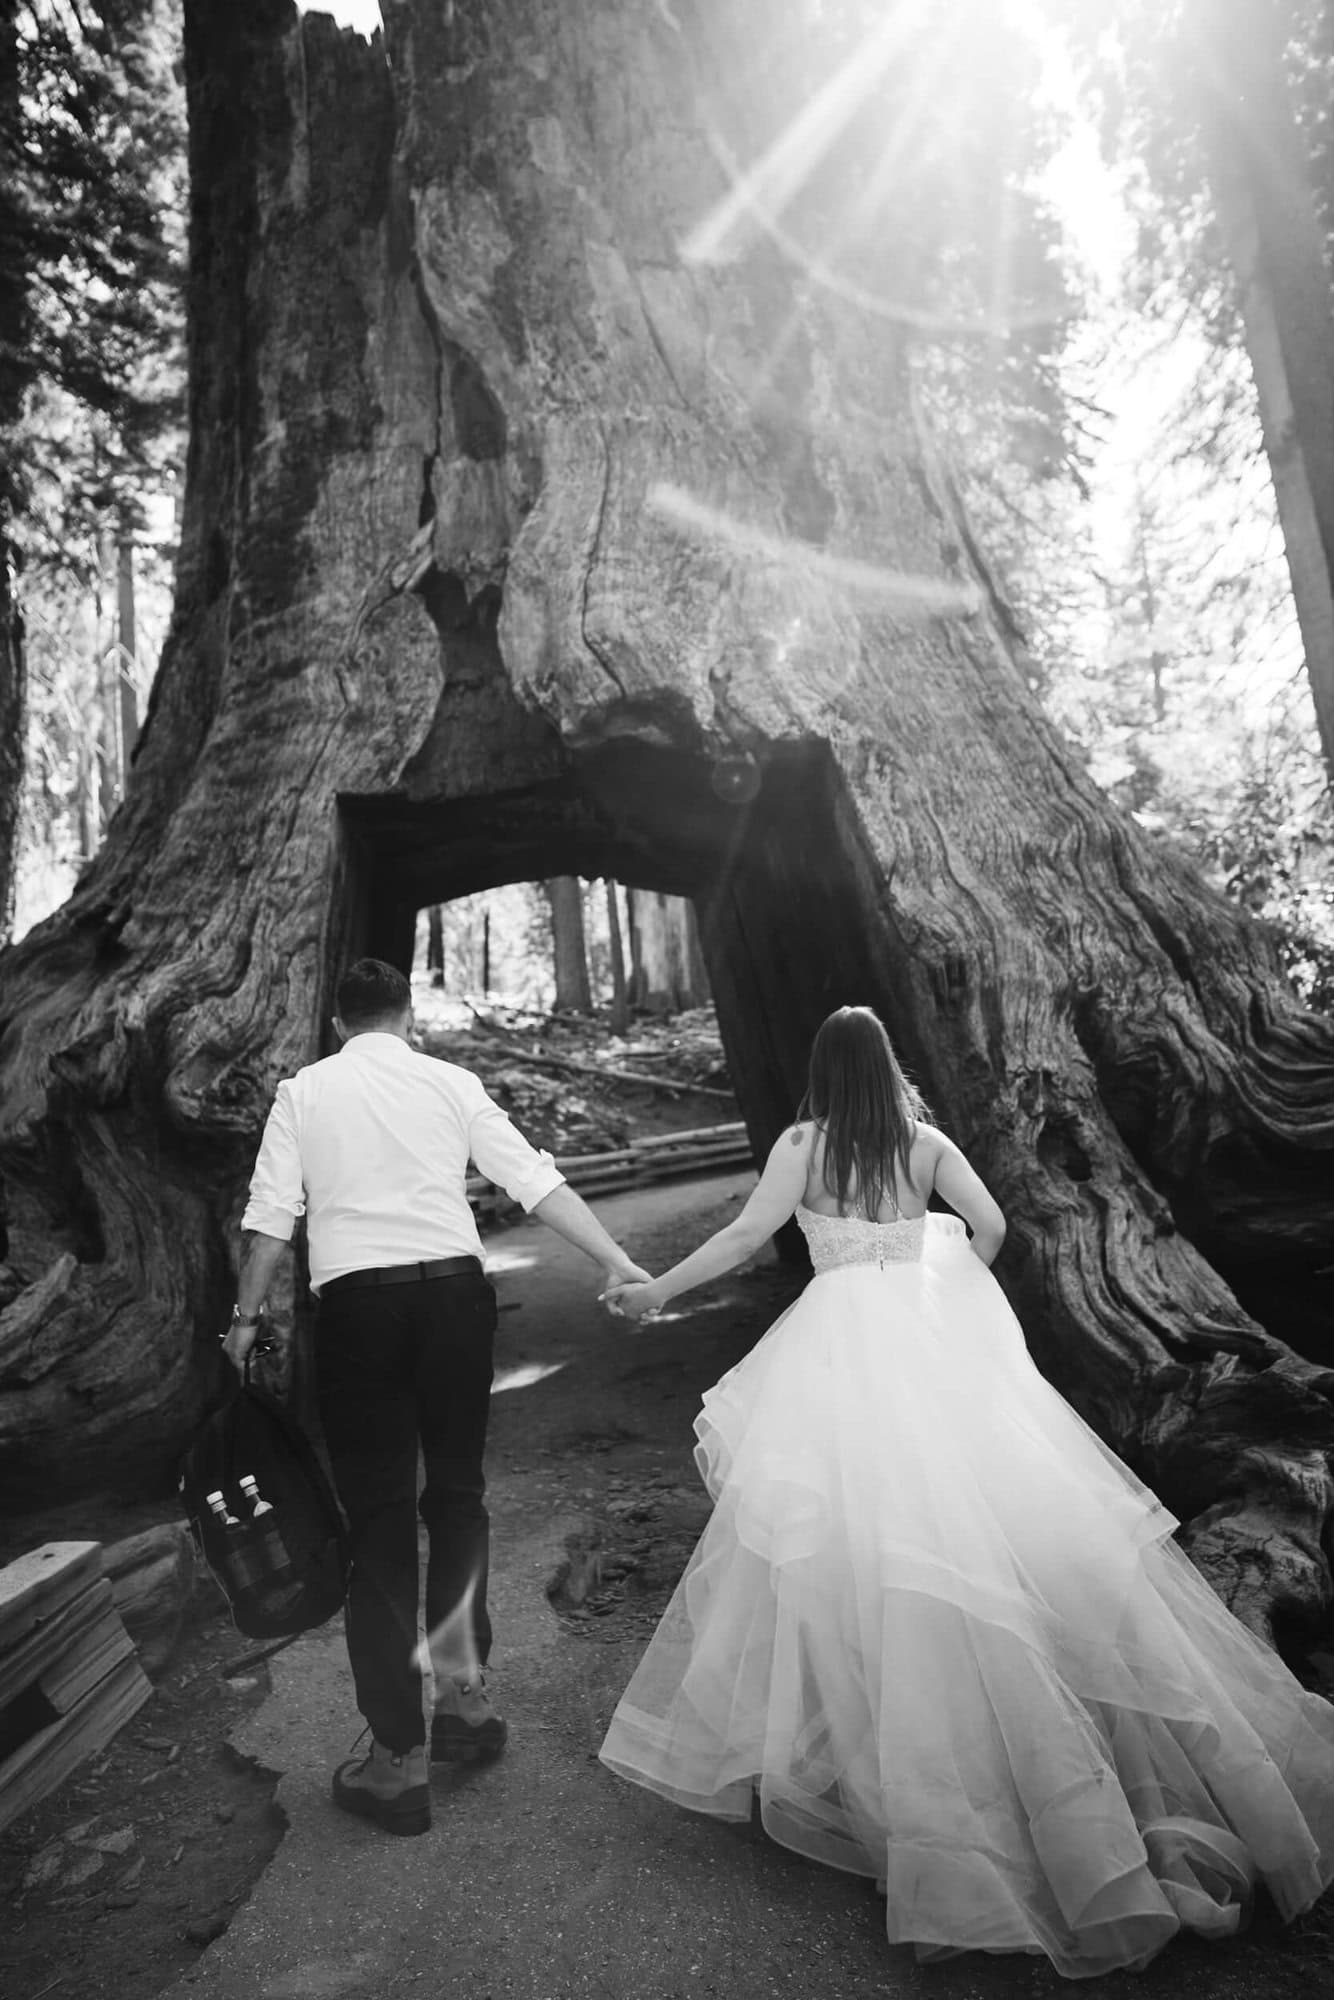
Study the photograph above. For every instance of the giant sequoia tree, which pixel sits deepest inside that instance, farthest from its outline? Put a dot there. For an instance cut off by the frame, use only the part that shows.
(518, 543)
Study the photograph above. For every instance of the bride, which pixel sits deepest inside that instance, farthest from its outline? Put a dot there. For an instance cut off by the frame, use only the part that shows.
(936, 1626)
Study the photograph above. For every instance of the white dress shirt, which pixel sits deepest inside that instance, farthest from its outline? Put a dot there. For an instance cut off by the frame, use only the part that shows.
(372, 1146)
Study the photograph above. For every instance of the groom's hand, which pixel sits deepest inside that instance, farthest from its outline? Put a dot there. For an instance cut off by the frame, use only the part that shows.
(616, 1275)
(634, 1300)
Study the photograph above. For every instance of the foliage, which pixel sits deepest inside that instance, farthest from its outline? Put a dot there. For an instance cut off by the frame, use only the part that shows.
(1139, 557)
(1189, 699)
(92, 221)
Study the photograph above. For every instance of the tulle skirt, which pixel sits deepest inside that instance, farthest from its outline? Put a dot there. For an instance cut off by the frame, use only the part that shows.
(943, 1634)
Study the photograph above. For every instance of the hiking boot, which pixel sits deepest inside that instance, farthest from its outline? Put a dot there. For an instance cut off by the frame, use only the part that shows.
(464, 1724)
(388, 1788)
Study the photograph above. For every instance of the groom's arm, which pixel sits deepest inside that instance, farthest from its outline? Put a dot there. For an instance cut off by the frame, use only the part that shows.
(260, 1257)
(571, 1217)
(277, 1199)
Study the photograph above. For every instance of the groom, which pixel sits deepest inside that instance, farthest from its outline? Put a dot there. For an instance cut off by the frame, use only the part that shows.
(372, 1146)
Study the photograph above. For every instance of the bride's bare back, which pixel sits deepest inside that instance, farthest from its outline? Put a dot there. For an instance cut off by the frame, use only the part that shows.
(902, 1201)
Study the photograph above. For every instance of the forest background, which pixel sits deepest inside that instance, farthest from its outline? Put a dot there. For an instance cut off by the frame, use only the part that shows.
(1111, 459)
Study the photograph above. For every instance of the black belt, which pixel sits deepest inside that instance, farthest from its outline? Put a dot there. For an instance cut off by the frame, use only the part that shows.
(402, 1274)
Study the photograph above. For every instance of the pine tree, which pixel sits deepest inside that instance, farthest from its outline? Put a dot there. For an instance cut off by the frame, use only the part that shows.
(91, 226)
(1218, 111)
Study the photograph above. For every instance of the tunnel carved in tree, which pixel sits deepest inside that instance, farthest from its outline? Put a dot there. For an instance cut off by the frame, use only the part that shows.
(441, 624)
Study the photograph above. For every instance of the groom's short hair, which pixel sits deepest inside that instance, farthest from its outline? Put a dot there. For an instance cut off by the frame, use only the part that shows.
(372, 991)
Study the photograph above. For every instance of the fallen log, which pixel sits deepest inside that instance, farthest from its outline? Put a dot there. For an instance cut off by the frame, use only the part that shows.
(604, 1071)
(707, 1132)
(542, 1059)
(641, 1162)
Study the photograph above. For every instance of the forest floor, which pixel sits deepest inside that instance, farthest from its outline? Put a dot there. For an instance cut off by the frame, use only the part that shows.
(200, 1855)
(581, 1103)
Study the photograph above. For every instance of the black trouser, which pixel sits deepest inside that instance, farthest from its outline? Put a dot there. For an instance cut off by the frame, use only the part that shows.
(397, 1364)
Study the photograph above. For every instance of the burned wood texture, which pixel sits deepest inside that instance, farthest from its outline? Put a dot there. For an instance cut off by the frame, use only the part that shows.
(518, 543)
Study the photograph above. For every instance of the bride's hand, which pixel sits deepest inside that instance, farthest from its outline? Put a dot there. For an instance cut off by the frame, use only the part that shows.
(633, 1301)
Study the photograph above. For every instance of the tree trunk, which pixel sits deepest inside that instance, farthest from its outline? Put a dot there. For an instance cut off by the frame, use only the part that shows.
(669, 971)
(697, 990)
(15, 312)
(90, 794)
(435, 944)
(620, 997)
(1264, 197)
(13, 729)
(493, 502)
(569, 951)
(127, 636)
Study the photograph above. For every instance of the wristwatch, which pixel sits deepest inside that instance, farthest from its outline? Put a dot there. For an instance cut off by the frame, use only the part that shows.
(242, 1321)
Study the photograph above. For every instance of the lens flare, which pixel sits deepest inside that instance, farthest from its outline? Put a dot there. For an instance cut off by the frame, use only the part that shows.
(904, 595)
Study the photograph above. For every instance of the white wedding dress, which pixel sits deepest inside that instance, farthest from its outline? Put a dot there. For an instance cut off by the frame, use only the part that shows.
(943, 1633)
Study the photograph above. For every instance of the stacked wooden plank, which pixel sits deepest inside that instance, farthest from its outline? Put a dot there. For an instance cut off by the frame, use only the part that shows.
(69, 1674)
(664, 1155)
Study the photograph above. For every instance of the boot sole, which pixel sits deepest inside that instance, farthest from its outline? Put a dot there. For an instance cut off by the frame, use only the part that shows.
(408, 1814)
(452, 1742)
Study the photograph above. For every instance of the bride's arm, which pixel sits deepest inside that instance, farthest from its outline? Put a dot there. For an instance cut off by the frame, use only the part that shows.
(969, 1197)
(776, 1195)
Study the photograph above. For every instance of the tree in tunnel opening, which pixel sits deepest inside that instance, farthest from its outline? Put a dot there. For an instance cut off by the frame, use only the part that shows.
(569, 951)
(502, 943)
(667, 962)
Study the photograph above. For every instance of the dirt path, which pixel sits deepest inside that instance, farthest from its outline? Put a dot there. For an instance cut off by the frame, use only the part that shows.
(543, 1877)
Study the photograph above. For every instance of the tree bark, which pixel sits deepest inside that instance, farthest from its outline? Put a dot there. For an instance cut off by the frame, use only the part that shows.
(508, 530)
(669, 970)
(1264, 196)
(106, 679)
(13, 731)
(128, 643)
(15, 310)
(569, 951)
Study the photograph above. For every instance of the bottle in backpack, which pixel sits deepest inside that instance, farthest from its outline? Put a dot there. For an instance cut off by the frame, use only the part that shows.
(278, 1557)
(242, 1557)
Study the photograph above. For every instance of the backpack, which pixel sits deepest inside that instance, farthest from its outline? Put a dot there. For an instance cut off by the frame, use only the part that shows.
(264, 1517)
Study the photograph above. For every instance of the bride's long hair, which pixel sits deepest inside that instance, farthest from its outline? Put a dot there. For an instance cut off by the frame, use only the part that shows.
(858, 1094)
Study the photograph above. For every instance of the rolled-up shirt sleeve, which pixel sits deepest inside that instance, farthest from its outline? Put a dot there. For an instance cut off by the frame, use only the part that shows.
(277, 1197)
(502, 1153)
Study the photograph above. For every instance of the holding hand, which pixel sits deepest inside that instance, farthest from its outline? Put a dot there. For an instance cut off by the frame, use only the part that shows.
(238, 1340)
(245, 1336)
(635, 1301)
(622, 1272)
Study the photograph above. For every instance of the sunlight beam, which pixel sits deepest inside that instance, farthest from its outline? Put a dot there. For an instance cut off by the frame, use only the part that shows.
(934, 43)
(525, 1375)
(904, 595)
(764, 190)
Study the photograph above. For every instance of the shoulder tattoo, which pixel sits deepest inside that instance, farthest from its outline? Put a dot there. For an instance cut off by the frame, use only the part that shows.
(797, 1136)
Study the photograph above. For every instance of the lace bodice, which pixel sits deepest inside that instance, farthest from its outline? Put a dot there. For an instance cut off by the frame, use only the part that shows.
(838, 1240)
